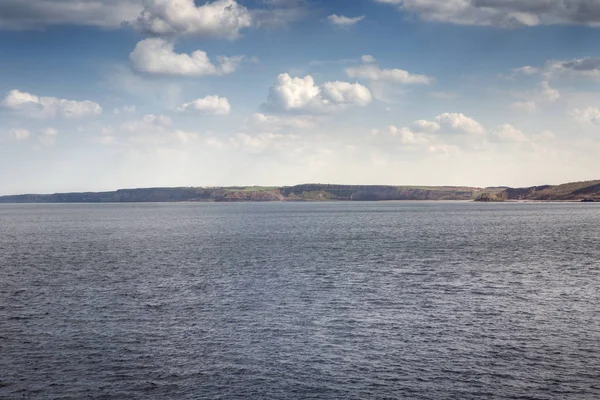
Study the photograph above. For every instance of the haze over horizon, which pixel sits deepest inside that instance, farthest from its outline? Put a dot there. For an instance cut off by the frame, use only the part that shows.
(99, 96)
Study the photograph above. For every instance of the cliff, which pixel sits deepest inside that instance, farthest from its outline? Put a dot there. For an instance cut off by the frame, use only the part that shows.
(576, 191)
(308, 192)
(588, 191)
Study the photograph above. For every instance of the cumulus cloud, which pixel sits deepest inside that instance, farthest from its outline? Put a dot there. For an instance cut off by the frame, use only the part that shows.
(302, 95)
(583, 68)
(404, 135)
(157, 56)
(459, 122)
(508, 133)
(542, 95)
(545, 94)
(150, 122)
(446, 133)
(20, 134)
(209, 105)
(346, 93)
(425, 126)
(34, 106)
(589, 115)
(454, 133)
(219, 18)
(504, 13)
(588, 67)
(343, 21)
(372, 72)
(38, 14)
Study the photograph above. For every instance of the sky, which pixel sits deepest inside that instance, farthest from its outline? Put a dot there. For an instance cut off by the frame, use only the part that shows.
(106, 94)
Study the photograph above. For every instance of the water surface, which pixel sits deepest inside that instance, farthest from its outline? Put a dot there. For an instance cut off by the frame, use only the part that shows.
(406, 300)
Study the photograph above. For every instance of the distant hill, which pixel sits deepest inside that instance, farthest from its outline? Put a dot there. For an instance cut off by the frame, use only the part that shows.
(578, 191)
(575, 191)
(308, 192)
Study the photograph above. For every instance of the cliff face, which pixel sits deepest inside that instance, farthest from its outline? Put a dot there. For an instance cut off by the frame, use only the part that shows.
(309, 192)
(576, 191)
(492, 197)
(399, 193)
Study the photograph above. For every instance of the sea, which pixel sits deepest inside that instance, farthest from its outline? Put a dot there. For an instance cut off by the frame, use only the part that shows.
(340, 300)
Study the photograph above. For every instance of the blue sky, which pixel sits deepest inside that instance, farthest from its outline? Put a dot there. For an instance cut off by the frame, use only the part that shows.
(99, 95)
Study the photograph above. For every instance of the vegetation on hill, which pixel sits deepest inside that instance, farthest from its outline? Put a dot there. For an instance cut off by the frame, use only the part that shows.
(308, 192)
(578, 191)
(574, 191)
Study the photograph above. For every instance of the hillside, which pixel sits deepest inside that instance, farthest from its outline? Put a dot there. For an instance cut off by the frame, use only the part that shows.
(574, 191)
(309, 192)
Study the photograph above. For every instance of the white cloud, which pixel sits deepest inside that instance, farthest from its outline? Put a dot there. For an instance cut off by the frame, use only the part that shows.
(219, 18)
(542, 95)
(589, 115)
(587, 67)
(343, 21)
(150, 122)
(20, 134)
(404, 135)
(460, 123)
(367, 58)
(436, 136)
(346, 93)
(504, 13)
(209, 105)
(157, 56)
(34, 106)
(453, 134)
(508, 133)
(295, 93)
(38, 14)
(425, 126)
(583, 68)
(372, 72)
(302, 95)
(545, 94)
(48, 136)
(526, 70)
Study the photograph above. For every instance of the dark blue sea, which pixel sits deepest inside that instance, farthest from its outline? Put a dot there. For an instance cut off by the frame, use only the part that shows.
(398, 300)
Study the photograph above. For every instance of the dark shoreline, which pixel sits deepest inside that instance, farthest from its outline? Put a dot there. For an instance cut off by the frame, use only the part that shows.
(571, 192)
